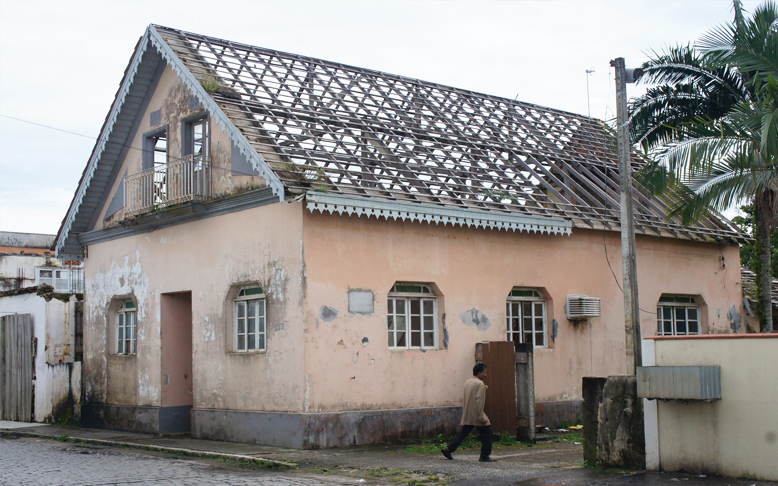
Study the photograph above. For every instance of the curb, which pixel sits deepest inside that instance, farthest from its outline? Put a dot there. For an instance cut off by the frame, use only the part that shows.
(156, 448)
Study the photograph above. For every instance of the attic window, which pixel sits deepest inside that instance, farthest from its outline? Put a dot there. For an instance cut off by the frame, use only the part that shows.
(155, 149)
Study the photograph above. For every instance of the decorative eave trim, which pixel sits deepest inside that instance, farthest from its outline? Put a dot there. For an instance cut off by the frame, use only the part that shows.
(430, 213)
(101, 142)
(216, 112)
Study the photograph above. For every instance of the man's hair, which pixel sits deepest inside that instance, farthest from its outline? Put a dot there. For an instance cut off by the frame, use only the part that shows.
(478, 368)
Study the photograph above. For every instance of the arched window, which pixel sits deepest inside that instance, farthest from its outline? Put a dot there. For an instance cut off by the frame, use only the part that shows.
(126, 328)
(413, 317)
(249, 320)
(526, 316)
(678, 315)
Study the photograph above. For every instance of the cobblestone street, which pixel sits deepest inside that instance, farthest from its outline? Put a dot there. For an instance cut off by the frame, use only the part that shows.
(28, 461)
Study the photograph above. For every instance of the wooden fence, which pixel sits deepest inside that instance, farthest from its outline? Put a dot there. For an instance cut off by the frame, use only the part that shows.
(16, 366)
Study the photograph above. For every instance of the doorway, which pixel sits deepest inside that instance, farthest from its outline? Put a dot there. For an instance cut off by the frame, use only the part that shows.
(176, 363)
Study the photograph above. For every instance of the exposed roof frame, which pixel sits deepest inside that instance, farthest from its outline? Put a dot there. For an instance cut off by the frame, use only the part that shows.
(216, 112)
(342, 129)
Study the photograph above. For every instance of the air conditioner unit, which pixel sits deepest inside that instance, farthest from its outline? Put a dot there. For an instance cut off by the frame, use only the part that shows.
(581, 307)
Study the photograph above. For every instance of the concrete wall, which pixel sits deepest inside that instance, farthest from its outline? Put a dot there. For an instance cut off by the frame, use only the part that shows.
(57, 376)
(476, 269)
(734, 436)
(209, 258)
(10, 265)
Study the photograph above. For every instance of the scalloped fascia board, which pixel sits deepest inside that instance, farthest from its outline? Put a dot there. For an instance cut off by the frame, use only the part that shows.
(101, 142)
(152, 36)
(430, 213)
(214, 111)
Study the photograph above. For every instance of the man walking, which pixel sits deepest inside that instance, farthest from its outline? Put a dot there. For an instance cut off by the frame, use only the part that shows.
(473, 416)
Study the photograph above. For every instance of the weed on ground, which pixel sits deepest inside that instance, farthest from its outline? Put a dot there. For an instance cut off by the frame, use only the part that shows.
(396, 476)
(472, 442)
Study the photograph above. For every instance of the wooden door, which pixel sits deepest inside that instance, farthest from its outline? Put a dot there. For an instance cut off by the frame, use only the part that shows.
(498, 356)
(16, 366)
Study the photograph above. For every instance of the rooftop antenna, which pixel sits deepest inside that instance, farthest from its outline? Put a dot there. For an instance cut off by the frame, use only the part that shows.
(588, 106)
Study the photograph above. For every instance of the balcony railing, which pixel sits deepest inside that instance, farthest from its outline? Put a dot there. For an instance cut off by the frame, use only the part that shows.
(181, 180)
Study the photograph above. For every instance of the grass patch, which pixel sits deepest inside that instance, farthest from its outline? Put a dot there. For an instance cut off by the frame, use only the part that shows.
(471, 442)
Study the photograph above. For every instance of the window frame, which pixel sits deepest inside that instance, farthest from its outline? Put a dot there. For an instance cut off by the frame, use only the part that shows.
(425, 294)
(674, 306)
(41, 280)
(537, 297)
(188, 147)
(150, 140)
(244, 300)
(127, 310)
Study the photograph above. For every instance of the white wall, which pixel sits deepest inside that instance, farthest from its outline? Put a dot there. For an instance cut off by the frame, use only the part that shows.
(52, 326)
(737, 435)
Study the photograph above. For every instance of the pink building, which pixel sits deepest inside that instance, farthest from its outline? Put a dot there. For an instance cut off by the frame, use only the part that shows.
(290, 251)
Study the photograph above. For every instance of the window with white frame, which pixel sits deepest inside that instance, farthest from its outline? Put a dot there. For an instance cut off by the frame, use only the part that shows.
(526, 316)
(45, 276)
(249, 316)
(126, 328)
(413, 317)
(678, 315)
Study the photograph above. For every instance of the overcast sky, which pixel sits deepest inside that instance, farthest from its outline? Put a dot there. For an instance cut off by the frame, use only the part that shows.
(61, 62)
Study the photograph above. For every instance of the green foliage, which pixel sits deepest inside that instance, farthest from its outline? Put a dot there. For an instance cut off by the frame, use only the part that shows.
(749, 253)
(211, 85)
(506, 439)
(711, 128)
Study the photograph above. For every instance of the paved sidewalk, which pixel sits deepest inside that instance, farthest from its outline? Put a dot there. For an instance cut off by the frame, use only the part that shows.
(177, 444)
(545, 464)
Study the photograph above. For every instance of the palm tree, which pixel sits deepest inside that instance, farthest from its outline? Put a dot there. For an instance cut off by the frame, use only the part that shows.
(711, 128)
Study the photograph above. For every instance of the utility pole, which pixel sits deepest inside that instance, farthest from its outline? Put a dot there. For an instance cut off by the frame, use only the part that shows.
(629, 262)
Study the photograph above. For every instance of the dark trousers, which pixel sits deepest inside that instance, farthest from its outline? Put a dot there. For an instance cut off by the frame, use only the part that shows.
(486, 439)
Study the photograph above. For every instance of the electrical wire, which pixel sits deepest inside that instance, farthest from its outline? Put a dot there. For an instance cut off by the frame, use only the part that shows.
(605, 245)
(234, 172)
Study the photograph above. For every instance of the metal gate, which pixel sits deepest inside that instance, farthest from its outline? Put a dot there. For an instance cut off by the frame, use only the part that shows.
(510, 396)
(16, 366)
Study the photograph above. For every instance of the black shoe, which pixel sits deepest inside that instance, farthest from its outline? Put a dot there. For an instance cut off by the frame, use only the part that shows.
(486, 459)
(447, 453)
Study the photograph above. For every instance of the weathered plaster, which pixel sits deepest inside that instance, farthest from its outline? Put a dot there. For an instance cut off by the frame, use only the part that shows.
(211, 258)
(344, 253)
(735, 318)
(476, 318)
(361, 301)
(327, 313)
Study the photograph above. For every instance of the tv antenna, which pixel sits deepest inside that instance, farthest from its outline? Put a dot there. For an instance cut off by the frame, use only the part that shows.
(588, 106)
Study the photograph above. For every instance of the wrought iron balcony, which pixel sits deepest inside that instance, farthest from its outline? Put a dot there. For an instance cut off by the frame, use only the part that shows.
(178, 181)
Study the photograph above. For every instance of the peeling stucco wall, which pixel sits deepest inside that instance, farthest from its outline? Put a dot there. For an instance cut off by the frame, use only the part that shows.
(57, 376)
(475, 318)
(209, 258)
(474, 270)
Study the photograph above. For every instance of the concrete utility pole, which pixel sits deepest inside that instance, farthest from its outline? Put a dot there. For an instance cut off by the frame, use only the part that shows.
(629, 262)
